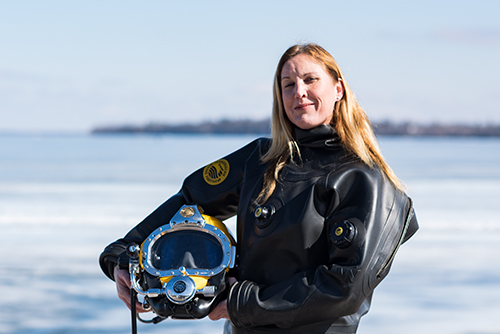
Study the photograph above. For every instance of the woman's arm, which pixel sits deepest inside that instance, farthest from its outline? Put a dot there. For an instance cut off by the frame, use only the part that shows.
(217, 194)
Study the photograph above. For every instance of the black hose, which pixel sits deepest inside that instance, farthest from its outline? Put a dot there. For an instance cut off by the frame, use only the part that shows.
(133, 253)
(133, 295)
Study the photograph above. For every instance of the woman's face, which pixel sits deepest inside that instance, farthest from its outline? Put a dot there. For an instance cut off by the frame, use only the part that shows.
(309, 92)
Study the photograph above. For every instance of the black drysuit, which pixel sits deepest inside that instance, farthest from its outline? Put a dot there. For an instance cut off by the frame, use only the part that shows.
(294, 275)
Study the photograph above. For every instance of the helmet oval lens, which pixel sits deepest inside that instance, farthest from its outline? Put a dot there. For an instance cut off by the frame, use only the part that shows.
(186, 248)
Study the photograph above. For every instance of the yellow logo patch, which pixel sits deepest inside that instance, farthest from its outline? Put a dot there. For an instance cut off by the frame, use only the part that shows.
(216, 172)
(338, 231)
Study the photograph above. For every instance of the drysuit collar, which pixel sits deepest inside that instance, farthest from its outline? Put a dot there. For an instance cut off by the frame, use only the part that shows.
(320, 136)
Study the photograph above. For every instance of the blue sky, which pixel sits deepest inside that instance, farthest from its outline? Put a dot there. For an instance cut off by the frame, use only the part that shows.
(70, 66)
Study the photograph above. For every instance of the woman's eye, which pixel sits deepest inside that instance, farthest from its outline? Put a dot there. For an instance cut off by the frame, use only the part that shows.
(289, 84)
(311, 80)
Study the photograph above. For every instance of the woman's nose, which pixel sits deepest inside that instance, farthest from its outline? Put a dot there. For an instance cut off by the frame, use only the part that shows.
(300, 91)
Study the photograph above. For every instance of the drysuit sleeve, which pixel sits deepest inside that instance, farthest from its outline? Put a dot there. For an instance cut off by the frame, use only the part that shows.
(383, 219)
(215, 187)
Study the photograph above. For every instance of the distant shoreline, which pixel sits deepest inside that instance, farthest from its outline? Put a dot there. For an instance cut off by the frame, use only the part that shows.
(386, 128)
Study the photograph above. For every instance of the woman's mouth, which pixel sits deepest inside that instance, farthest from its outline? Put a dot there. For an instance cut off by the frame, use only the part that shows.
(303, 106)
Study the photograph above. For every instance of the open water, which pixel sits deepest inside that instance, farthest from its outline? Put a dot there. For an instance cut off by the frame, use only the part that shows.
(64, 198)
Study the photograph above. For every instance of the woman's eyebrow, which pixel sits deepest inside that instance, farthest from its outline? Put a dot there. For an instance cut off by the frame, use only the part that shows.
(301, 76)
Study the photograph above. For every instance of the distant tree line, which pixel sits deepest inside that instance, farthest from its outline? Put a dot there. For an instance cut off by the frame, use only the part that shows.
(219, 127)
(263, 127)
(436, 129)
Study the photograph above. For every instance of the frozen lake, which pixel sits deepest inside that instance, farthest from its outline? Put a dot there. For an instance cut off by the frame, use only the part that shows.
(64, 198)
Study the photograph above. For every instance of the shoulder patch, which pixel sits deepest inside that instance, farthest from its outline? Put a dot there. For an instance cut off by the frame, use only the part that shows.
(216, 172)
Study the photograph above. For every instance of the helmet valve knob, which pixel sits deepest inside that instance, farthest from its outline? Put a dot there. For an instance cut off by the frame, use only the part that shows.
(183, 270)
(133, 250)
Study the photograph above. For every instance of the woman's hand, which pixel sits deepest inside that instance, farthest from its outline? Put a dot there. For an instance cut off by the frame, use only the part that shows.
(220, 311)
(122, 279)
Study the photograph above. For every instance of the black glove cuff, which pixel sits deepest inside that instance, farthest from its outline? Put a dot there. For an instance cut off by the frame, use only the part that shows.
(123, 261)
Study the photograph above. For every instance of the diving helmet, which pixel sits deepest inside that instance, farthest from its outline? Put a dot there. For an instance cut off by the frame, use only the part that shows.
(181, 268)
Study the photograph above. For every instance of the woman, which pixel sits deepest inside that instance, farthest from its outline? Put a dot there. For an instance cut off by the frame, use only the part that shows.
(320, 214)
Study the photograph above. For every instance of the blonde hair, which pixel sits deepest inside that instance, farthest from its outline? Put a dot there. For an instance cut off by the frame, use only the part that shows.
(349, 120)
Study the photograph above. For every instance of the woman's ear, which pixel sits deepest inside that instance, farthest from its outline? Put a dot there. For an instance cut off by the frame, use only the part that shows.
(339, 88)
